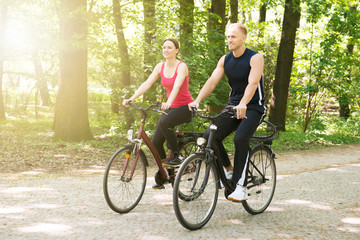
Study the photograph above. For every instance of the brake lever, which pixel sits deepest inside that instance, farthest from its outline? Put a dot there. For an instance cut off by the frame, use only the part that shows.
(160, 111)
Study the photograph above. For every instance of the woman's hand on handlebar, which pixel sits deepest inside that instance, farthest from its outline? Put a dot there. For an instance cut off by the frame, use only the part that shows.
(125, 102)
(165, 106)
(193, 105)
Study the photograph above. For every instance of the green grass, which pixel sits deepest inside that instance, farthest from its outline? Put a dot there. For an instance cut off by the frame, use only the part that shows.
(327, 133)
(27, 142)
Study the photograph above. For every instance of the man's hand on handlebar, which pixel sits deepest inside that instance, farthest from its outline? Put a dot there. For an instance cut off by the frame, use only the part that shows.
(240, 111)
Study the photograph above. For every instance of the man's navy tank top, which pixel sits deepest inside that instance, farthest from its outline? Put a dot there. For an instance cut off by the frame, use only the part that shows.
(237, 71)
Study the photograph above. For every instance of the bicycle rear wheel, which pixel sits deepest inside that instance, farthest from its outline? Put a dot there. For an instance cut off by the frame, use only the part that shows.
(188, 148)
(122, 193)
(195, 192)
(261, 180)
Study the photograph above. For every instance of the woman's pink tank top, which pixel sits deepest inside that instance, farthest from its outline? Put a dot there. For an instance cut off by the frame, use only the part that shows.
(183, 97)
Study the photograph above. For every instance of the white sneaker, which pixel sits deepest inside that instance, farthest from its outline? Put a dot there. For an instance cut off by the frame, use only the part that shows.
(228, 175)
(240, 194)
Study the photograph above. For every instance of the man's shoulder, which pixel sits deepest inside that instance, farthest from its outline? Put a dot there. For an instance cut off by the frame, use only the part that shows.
(251, 52)
(228, 56)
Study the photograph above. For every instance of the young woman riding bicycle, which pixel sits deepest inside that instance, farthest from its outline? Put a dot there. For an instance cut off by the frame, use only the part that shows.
(175, 78)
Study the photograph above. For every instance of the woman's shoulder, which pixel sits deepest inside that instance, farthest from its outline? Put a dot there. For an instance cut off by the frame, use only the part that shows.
(159, 66)
(182, 64)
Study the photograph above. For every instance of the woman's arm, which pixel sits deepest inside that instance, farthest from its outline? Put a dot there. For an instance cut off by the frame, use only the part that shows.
(145, 85)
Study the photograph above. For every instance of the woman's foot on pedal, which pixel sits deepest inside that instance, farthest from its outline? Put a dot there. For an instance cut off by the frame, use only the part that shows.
(175, 161)
(157, 186)
(240, 194)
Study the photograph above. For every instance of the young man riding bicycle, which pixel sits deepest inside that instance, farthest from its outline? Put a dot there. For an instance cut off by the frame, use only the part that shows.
(243, 68)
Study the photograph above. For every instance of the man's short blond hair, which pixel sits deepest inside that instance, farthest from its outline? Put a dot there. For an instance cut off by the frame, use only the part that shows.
(239, 26)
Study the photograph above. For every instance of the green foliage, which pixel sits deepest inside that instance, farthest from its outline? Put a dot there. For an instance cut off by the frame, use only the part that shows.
(326, 67)
(323, 132)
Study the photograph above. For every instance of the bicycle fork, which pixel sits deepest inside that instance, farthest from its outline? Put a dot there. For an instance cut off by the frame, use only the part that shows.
(197, 174)
(127, 160)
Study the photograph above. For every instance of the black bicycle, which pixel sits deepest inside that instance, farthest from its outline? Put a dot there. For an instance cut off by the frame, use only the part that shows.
(201, 187)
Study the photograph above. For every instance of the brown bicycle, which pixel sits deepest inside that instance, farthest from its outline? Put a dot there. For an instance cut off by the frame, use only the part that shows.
(126, 172)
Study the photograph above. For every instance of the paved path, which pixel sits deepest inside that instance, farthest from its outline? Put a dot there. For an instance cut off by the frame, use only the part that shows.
(317, 197)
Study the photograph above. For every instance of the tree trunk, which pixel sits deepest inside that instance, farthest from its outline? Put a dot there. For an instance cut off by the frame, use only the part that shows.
(262, 19)
(124, 62)
(216, 29)
(262, 15)
(285, 59)
(216, 36)
(344, 110)
(344, 101)
(186, 16)
(71, 121)
(41, 81)
(3, 25)
(149, 52)
(234, 11)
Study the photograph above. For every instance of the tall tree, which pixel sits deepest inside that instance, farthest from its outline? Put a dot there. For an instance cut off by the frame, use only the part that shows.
(216, 29)
(186, 16)
(262, 18)
(149, 50)
(124, 67)
(41, 81)
(216, 48)
(284, 63)
(234, 11)
(71, 121)
(338, 60)
(344, 97)
(3, 24)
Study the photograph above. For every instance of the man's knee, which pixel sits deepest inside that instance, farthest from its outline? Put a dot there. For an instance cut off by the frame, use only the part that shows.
(241, 139)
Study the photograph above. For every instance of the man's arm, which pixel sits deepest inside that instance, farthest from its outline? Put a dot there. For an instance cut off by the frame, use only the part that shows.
(210, 84)
(257, 68)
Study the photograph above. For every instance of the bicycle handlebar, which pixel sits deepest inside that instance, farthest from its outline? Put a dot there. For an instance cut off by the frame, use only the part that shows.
(212, 118)
(257, 136)
(157, 109)
(157, 104)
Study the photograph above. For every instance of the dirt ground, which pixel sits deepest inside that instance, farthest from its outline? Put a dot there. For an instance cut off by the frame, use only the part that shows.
(317, 197)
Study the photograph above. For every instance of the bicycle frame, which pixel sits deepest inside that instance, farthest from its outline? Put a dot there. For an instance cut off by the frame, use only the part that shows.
(142, 136)
(210, 152)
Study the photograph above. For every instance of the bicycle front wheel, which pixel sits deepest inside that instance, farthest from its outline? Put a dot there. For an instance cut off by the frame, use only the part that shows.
(261, 180)
(195, 192)
(121, 190)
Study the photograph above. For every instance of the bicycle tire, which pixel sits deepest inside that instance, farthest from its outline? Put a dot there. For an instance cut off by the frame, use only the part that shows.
(188, 148)
(122, 194)
(196, 209)
(261, 180)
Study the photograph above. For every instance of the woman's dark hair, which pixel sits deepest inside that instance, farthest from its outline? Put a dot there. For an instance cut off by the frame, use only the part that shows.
(174, 41)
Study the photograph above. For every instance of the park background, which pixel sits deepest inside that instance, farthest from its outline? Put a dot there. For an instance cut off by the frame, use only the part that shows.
(66, 65)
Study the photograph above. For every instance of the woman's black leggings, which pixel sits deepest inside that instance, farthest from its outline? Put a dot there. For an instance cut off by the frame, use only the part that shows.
(165, 129)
